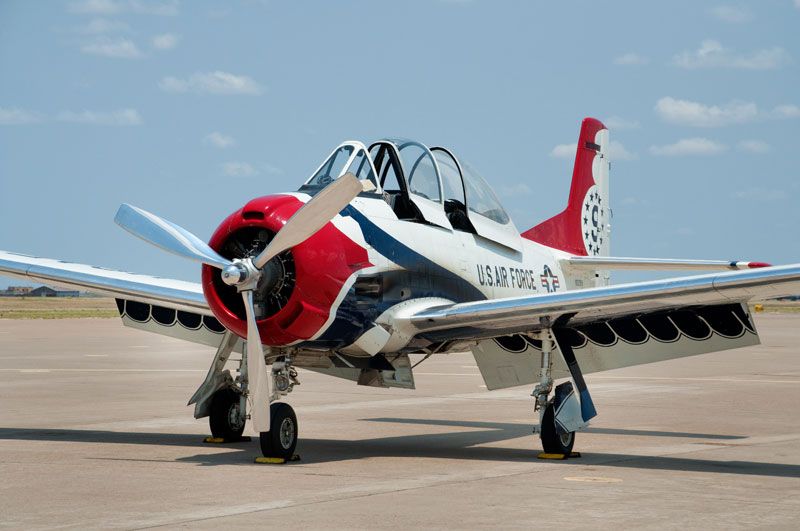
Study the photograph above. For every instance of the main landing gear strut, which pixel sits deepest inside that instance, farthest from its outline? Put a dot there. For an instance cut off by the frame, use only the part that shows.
(225, 400)
(561, 415)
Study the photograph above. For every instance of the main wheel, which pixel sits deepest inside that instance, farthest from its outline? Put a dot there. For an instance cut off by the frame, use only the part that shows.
(226, 419)
(554, 442)
(281, 439)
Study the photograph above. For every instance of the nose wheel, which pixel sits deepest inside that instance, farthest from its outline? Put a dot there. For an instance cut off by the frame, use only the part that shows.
(281, 439)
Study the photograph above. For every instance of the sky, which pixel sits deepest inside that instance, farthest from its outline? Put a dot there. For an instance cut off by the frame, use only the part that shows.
(189, 109)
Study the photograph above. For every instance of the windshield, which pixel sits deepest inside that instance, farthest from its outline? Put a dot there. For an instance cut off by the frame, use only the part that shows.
(419, 169)
(347, 158)
(481, 198)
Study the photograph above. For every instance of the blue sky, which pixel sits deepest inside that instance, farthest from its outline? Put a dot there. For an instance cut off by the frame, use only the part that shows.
(189, 109)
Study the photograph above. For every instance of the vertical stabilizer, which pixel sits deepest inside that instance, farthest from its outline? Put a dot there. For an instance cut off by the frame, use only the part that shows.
(583, 228)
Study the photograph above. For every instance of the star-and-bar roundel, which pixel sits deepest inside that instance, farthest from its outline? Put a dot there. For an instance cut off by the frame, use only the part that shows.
(593, 221)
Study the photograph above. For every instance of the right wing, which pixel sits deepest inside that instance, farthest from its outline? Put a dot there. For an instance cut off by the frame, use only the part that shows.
(163, 292)
(160, 305)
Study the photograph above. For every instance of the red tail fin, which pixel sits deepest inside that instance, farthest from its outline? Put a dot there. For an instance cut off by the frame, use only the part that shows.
(582, 228)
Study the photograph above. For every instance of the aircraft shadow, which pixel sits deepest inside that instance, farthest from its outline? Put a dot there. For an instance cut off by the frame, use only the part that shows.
(463, 445)
(525, 429)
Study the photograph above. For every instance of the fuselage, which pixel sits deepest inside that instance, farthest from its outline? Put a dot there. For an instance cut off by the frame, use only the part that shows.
(418, 261)
(429, 231)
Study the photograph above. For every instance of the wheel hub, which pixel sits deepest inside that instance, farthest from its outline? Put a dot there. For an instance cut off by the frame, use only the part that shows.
(235, 420)
(287, 433)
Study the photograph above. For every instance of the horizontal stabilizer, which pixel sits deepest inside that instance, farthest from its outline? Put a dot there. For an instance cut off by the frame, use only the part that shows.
(655, 264)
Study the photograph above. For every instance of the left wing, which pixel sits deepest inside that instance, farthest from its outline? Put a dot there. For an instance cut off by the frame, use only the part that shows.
(496, 317)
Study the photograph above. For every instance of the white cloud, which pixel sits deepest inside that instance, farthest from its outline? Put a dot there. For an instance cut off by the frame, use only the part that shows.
(98, 26)
(689, 146)
(786, 111)
(731, 14)
(216, 82)
(166, 41)
(797, 4)
(238, 169)
(631, 59)
(712, 54)
(17, 116)
(615, 122)
(121, 117)
(616, 151)
(219, 140)
(117, 48)
(116, 7)
(564, 151)
(760, 194)
(758, 147)
(694, 114)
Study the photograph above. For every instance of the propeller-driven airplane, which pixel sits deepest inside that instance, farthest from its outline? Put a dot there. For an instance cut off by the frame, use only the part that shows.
(401, 249)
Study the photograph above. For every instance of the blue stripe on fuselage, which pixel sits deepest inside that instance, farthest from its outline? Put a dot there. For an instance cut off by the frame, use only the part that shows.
(352, 318)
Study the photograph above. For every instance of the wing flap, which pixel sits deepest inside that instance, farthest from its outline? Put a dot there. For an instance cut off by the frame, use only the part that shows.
(508, 361)
(168, 293)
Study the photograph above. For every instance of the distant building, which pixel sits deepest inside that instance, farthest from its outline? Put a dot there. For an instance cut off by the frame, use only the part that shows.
(18, 291)
(45, 291)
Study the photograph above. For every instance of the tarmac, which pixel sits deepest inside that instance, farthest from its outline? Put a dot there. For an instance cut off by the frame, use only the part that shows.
(95, 432)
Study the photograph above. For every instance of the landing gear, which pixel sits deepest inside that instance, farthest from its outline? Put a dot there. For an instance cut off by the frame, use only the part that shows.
(226, 418)
(281, 439)
(227, 401)
(563, 414)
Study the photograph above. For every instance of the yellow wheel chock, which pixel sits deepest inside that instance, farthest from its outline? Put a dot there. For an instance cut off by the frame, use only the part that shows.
(558, 457)
(276, 460)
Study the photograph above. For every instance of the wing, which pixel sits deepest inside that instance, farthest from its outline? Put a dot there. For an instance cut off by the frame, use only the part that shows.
(160, 305)
(609, 327)
(495, 317)
(163, 292)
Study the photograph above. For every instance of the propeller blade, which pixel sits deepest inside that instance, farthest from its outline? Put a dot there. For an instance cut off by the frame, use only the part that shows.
(257, 377)
(167, 235)
(312, 216)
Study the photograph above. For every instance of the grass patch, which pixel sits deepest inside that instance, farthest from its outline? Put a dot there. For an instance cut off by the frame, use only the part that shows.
(57, 308)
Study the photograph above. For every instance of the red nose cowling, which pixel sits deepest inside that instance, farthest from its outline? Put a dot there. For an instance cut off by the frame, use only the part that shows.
(322, 264)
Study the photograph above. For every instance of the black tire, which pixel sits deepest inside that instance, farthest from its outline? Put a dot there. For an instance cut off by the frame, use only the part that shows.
(224, 414)
(281, 439)
(552, 441)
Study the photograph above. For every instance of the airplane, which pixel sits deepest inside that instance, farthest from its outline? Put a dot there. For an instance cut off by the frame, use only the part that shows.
(399, 248)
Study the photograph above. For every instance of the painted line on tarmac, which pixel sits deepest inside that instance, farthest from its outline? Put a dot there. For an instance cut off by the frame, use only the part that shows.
(103, 370)
(593, 479)
(692, 379)
(446, 374)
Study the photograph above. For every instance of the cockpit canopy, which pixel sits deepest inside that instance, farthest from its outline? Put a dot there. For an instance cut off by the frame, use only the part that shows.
(423, 184)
